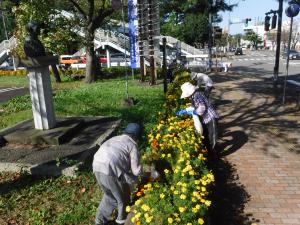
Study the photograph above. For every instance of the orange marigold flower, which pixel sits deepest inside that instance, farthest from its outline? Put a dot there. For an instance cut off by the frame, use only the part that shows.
(154, 144)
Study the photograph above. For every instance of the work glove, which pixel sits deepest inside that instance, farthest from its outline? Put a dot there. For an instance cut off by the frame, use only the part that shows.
(188, 111)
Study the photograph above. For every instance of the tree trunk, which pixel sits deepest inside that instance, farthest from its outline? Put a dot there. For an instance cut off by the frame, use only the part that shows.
(92, 62)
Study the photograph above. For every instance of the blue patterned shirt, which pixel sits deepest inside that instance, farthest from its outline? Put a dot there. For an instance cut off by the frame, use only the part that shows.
(203, 107)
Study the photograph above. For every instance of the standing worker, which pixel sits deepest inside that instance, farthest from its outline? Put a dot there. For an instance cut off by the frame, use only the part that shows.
(117, 166)
(203, 80)
(201, 107)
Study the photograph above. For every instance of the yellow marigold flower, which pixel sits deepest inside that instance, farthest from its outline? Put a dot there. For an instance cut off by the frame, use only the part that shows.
(203, 188)
(182, 196)
(183, 189)
(137, 202)
(200, 221)
(172, 188)
(166, 171)
(184, 184)
(169, 155)
(132, 219)
(207, 202)
(176, 170)
(176, 192)
(177, 219)
(145, 207)
(192, 172)
(195, 210)
(189, 224)
(193, 199)
(127, 209)
(197, 182)
(149, 219)
(181, 209)
(163, 155)
(138, 223)
(162, 195)
(170, 220)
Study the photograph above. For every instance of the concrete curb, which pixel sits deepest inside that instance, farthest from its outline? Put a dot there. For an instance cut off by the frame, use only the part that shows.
(54, 168)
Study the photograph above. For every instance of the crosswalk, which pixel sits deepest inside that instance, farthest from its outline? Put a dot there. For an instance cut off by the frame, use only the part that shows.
(3, 90)
(255, 59)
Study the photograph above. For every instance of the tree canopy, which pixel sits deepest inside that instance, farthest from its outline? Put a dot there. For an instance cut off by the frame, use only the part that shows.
(191, 17)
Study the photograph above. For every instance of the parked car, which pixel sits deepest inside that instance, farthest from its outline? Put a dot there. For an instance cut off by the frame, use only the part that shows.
(238, 51)
(102, 59)
(293, 54)
(67, 60)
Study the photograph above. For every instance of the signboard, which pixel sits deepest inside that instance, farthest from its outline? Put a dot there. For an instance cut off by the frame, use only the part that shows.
(133, 34)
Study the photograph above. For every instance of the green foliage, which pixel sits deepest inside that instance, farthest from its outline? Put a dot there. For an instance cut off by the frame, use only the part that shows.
(254, 38)
(41, 200)
(188, 20)
(57, 33)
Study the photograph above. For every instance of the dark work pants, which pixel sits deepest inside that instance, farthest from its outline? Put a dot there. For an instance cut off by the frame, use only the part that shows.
(211, 135)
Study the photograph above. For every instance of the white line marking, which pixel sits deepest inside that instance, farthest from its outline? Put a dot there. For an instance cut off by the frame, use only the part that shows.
(10, 89)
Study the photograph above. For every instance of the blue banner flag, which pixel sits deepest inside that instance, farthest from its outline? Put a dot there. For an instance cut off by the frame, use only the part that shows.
(133, 34)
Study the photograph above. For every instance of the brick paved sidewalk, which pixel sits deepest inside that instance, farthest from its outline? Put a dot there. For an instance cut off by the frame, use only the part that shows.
(258, 177)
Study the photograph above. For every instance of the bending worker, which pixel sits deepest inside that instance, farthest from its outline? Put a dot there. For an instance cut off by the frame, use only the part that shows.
(117, 166)
(201, 107)
(203, 80)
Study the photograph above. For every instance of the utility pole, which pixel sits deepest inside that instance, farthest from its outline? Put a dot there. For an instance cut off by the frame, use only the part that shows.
(141, 24)
(151, 42)
(276, 67)
(210, 42)
(164, 66)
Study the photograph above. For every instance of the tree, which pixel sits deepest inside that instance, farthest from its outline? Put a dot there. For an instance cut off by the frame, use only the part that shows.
(254, 38)
(191, 17)
(93, 14)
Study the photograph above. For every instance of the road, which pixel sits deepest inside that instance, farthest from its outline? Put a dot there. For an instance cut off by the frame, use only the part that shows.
(7, 93)
(262, 63)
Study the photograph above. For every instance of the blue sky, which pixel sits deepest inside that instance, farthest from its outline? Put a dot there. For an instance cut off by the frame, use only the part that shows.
(254, 9)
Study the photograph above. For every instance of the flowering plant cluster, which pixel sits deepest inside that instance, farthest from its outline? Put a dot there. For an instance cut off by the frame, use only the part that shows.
(180, 196)
(13, 73)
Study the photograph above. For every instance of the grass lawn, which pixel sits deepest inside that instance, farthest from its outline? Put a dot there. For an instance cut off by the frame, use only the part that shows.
(25, 199)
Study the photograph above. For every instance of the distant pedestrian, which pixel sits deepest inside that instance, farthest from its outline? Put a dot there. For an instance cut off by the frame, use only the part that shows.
(226, 66)
(203, 80)
(208, 114)
(117, 166)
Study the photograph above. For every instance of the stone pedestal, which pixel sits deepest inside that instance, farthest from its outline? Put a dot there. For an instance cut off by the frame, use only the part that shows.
(41, 98)
(41, 90)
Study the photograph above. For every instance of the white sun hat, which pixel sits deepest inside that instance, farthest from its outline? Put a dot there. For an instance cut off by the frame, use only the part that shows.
(187, 89)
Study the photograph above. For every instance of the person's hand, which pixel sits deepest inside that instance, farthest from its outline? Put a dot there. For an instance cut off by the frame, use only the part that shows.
(190, 110)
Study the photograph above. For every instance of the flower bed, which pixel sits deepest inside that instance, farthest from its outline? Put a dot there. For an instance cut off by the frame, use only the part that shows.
(180, 194)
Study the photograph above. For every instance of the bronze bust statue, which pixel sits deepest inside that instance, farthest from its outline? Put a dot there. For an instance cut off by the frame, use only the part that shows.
(33, 47)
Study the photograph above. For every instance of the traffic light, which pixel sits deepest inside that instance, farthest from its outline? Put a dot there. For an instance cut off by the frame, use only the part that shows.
(267, 23)
(218, 32)
(274, 21)
(246, 21)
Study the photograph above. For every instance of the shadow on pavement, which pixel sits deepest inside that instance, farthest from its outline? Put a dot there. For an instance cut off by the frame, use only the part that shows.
(229, 197)
(231, 141)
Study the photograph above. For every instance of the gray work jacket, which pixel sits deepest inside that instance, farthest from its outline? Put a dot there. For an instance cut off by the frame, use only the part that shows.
(119, 157)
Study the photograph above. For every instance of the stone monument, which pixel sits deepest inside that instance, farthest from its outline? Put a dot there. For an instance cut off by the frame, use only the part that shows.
(37, 64)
